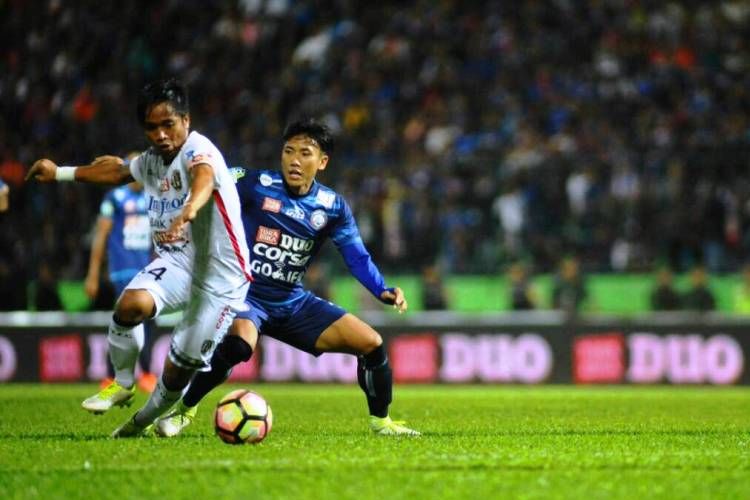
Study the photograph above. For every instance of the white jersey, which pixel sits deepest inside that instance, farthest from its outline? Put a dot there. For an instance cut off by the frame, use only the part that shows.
(214, 248)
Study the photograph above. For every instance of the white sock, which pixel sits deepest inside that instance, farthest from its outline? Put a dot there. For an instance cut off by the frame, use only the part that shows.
(125, 342)
(158, 403)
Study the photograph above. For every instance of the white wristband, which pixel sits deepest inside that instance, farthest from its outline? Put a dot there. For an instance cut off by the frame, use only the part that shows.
(63, 174)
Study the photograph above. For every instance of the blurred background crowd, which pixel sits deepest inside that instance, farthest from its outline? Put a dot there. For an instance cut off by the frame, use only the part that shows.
(470, 135)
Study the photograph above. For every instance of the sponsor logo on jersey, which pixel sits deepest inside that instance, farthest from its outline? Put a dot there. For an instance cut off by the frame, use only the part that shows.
(318, 219)
(272, 260)
(196, 158)
(268, 235)
(177, 180)
(271, 205)
(165, 205)
(325, 198)
(295, 213)
(207, 346)
(265, 180)
(237, 173)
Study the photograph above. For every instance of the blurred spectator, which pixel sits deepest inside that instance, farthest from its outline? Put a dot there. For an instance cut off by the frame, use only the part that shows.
(741, 296)
(47, 297)
(569, 290)
(664, 296)
(699, 297)
(523, 297)
(615, 130)
(434, 296)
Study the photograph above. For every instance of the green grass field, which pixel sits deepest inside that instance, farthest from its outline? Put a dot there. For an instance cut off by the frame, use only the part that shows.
(479, 442)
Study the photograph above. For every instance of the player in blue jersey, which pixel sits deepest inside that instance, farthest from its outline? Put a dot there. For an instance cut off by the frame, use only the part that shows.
(124, 232)
(288, 216)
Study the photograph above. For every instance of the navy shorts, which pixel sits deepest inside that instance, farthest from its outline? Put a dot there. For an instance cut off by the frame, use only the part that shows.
(298, 324)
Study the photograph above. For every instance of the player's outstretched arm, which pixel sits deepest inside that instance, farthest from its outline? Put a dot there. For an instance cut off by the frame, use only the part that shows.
(103, 170)
(201, 189)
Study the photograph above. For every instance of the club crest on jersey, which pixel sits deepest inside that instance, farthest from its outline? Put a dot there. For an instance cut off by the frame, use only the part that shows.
(318, 219)
(265, 180)
(295, 213)
(177, 180)
(271, 205)
(325, 198)
(164, 185)
(267, 235)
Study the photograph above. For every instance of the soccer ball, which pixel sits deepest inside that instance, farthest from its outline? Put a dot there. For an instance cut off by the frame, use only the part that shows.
(242, 416)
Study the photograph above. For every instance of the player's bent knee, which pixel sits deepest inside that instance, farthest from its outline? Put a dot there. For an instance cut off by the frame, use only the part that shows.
(134, 306)
(374, 341)
(244, 329)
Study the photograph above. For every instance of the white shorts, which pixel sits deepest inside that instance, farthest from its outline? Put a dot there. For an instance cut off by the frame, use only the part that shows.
(206, 317)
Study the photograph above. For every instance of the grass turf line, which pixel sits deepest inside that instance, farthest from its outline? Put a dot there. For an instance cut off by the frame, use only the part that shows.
(479, 442)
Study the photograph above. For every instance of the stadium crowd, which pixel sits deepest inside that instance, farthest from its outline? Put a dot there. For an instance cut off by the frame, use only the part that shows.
(470, 134)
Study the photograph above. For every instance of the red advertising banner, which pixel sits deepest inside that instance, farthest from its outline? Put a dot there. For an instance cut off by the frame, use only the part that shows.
(414, 358)
(61, 358)
(599, 358)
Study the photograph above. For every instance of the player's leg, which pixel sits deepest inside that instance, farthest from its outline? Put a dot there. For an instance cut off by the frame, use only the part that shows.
(205, 322)
(160, 286)
(349, 334)
(125, 339)
(236, 347)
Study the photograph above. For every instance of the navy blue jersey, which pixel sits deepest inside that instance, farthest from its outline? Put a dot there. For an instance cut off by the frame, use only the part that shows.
(284, 233)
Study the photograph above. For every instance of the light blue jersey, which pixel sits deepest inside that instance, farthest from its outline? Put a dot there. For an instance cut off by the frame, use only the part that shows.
(129, 242)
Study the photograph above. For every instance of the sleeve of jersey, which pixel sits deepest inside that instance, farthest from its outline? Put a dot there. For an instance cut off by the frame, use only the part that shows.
(360, 264)
(201, 150)
(135, 168)
(347, 239)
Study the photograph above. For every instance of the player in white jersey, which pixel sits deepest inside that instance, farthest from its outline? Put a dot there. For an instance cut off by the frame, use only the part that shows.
(202, 256)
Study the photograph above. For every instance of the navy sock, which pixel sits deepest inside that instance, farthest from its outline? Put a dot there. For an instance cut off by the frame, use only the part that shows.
(376, 380)
(230, 352)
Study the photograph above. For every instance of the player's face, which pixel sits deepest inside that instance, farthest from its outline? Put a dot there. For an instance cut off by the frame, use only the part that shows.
(301, 159)
(166, 130)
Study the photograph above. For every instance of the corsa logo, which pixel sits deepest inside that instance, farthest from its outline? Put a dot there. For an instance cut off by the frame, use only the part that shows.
(267, 235)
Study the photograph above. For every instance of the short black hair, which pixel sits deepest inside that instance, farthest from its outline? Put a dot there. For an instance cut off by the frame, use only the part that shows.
(169, 90)
(314, 129)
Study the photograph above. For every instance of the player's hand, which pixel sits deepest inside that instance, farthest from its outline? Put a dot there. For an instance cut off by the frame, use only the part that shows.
(91, 286)
(176, 231)
(42, 171)
(397, 298)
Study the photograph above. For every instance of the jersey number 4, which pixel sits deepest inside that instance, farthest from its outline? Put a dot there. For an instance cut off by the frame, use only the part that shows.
(157, 272)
